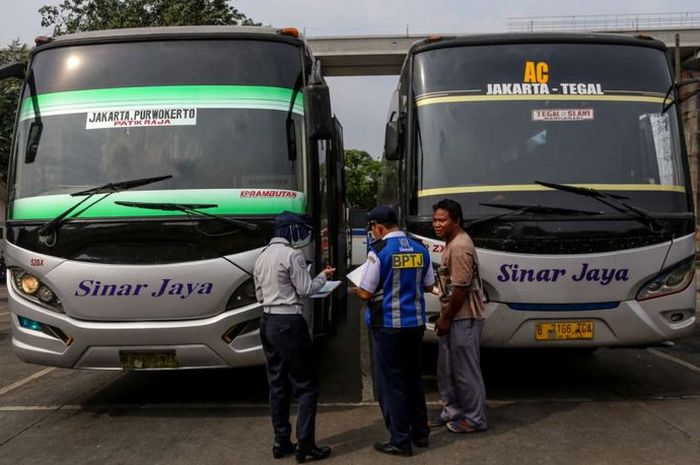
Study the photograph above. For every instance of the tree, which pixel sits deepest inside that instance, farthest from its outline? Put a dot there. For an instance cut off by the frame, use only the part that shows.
(389, 184)
(89, 15)
(361, 178)
(9, 93)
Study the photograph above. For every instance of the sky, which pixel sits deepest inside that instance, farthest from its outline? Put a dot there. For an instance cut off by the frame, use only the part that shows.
(361, 102)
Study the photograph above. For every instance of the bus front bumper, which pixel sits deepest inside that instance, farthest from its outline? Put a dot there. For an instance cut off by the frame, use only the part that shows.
(47, 338)
(630, 323)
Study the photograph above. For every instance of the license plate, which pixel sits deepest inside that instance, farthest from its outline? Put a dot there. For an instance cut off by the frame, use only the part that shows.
(564, 330)
(147, 360)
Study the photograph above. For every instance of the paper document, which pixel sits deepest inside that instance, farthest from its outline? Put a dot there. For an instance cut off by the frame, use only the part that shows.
(326, 290)
(355, 276)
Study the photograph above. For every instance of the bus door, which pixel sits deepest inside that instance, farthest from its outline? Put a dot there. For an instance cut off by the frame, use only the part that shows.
(331, 221)
(339, 228)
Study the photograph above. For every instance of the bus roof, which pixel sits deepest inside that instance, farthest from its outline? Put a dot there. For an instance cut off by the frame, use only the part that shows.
(538, 37)
(171, 33)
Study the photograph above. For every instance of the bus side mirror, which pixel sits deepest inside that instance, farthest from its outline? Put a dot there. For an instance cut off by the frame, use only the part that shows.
(291, 140)
(33, 141)
(391, 141)
(12, 70)
(317, 111)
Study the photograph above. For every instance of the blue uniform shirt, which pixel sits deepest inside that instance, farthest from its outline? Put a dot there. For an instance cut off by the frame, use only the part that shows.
(398, 268)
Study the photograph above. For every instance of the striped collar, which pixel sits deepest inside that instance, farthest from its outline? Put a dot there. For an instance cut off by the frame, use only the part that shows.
(394, 234)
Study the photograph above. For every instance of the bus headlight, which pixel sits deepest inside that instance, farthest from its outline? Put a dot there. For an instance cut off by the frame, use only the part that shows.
(29, 284)
(31, 288)
(670, 281)
(45, 294)
(242, 296)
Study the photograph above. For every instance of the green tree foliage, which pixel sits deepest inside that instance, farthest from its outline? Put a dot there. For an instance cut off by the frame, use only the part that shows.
(89, 15)
(388, 183)
(9, 93)
(362, 178)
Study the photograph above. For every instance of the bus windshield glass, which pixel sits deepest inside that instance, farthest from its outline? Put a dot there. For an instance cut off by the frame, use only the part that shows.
(211, 113)
(492, 120)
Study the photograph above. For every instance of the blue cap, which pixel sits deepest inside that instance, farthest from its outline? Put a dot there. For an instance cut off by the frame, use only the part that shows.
(383, 214)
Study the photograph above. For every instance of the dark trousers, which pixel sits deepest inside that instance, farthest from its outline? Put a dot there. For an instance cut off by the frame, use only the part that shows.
(290, 371)
(397, 371)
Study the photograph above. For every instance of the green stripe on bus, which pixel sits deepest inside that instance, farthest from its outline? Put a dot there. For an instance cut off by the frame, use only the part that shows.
(79, 101)
(229, 201)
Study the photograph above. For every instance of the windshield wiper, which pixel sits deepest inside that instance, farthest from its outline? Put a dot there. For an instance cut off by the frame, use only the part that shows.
(190, 208)
(55, 224)
(521, 209)
(613, 201)
(113, 187)
(541, 209)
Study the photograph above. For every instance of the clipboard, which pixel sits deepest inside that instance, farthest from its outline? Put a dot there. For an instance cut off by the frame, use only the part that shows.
(326, 290)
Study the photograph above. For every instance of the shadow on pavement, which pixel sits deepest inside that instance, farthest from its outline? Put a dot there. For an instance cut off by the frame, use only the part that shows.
(242, 386)
(503, 418)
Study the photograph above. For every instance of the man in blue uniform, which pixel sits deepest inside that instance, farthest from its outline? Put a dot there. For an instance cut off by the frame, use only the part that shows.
(281, 282)
(398, 273)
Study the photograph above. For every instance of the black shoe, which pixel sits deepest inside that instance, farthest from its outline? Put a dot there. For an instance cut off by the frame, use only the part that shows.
(313, 452)
(283, 449)
(389, 448)
(421, 442)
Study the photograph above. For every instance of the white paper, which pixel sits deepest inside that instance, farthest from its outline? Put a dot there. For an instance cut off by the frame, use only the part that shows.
(326, 290)
(356, 275)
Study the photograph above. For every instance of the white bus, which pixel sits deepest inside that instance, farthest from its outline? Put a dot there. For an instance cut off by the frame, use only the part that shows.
(146, 171)
(566, 154)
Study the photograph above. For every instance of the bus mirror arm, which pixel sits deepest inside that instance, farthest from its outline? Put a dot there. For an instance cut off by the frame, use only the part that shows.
(668, 103)
(686, 82)
(688, 96)
(289, 122)
(36, 128)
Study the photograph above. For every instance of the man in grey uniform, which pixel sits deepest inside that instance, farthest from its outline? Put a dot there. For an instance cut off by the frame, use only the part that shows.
(281, 282)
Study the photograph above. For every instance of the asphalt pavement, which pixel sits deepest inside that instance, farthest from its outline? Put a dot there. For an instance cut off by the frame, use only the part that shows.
(613, 406)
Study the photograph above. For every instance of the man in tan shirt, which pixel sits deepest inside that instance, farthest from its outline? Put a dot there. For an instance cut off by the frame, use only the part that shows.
(459, 326)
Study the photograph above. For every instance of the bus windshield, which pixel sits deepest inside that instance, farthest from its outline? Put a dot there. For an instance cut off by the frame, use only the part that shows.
(492, 120)
(211, 113)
